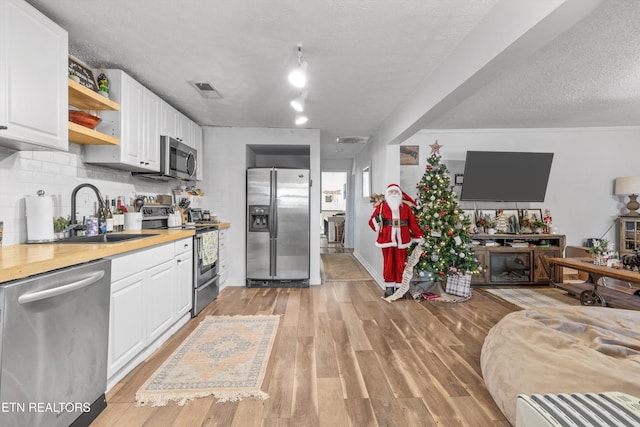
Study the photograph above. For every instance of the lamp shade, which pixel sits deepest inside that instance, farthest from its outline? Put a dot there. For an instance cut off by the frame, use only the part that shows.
(627, 185)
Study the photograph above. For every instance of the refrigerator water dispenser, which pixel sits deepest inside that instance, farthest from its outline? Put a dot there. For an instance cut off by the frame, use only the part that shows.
(259, 218)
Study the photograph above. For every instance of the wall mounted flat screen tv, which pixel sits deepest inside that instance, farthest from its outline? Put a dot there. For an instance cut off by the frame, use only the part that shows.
(498, 176)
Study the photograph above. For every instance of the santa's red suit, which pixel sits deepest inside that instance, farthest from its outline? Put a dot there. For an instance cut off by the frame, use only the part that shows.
(397, 228)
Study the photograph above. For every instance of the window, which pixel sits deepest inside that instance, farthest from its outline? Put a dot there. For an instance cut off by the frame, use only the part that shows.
(366, 182)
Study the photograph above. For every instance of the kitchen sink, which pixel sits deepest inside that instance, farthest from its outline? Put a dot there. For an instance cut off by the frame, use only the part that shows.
(104, 238)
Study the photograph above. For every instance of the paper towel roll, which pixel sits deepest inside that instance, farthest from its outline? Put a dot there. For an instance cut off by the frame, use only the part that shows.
(39, 218)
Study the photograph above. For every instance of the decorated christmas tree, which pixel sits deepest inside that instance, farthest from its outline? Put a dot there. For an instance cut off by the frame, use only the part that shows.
(447, 243)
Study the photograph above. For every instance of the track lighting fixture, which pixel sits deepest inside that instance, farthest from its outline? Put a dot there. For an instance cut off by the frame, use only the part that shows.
(298, 77)
(298, 102)
(301, 118)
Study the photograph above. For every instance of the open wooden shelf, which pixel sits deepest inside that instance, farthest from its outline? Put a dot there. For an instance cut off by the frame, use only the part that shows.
(82, 135)
(85, 99)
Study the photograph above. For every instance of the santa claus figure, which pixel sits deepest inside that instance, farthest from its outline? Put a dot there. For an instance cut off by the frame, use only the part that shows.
(397, 229)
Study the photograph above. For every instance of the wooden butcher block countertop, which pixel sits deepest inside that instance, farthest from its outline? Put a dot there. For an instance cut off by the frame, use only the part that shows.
(20, 261)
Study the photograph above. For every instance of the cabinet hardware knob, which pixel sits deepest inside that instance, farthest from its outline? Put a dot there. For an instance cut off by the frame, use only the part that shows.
(2, 127)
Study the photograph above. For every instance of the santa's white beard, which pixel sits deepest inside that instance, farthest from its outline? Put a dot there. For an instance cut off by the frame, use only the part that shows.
(394, 201)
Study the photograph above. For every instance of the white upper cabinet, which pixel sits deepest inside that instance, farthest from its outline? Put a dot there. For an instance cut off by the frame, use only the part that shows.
(184, 130)
(177, 125)
(151, 129)
(169, 120)
(33, 79)
(196, 139)
(137, 124)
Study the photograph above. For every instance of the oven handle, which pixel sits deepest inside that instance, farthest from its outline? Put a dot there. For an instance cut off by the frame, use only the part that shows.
(208, 283)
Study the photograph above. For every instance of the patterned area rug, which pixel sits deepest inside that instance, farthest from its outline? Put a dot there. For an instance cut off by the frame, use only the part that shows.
(225, 356)
(533, 298)
(343, 267)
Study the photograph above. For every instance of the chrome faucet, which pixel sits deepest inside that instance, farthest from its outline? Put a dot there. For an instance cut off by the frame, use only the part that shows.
(74, 193)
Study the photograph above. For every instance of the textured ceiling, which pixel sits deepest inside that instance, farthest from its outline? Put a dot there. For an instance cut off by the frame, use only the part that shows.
(365, 59)
(588, 76)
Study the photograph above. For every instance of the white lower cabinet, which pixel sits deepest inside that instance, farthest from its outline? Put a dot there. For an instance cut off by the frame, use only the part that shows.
(184, 280)
(126, 325)
(159, 286)
(148, 296)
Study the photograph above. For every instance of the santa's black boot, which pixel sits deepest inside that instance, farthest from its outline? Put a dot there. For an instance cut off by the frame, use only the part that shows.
(389, 291)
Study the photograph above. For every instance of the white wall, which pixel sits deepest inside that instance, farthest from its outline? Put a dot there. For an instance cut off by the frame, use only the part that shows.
(224, 185)
(58, 173)
(580, 190)
(383, 161)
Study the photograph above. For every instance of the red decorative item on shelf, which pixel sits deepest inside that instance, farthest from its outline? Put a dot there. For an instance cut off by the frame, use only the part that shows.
(84, 119)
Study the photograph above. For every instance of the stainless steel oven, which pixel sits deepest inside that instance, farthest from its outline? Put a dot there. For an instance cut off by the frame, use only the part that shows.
(205, 254)
(205, 265)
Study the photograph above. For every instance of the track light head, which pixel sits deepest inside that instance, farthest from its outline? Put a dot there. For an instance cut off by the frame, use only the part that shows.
(301, 119)
(298, 102)
(298, 77)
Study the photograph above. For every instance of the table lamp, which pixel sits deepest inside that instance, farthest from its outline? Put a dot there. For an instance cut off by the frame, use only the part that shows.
(629, 185)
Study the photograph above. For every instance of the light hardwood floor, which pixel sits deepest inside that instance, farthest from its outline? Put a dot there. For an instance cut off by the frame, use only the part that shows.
(343, 357)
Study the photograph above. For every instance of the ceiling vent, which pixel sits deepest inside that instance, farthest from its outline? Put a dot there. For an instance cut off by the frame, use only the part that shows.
(207, 90)
(352, 139)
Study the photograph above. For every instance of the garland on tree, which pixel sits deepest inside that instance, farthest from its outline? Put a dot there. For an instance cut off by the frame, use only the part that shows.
(447, 243)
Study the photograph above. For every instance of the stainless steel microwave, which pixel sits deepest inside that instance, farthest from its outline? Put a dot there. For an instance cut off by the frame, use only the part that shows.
(177, 161)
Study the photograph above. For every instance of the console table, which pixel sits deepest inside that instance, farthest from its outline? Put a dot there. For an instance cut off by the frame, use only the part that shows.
(516, 259)
(622, 291)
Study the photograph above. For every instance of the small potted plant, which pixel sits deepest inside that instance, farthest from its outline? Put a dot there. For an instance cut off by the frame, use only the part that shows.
(104, 91)
(60, 227)
(74, 76)
(491, 226)
(538, 226)
(601, 250)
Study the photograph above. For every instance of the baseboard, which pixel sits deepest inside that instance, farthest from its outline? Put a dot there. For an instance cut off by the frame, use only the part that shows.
(376, 276)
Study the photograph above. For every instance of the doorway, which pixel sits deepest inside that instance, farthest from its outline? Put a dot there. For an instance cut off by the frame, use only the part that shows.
(333, 208)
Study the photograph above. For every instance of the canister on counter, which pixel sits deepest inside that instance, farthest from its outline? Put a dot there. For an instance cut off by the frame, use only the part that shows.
(92, 226)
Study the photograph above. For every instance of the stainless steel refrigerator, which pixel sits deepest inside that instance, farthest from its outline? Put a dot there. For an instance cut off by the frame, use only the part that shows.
(277, 227)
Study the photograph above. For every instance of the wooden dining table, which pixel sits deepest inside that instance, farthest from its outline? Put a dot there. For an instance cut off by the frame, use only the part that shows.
(605, 286)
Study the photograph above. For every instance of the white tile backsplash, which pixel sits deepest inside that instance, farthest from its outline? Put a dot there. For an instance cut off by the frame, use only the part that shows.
(58, 173)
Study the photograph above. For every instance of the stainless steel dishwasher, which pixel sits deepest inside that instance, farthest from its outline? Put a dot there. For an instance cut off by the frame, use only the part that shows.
(53, 346)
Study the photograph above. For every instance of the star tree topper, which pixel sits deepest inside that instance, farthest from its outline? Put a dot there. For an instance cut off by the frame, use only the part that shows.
(435, 148)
